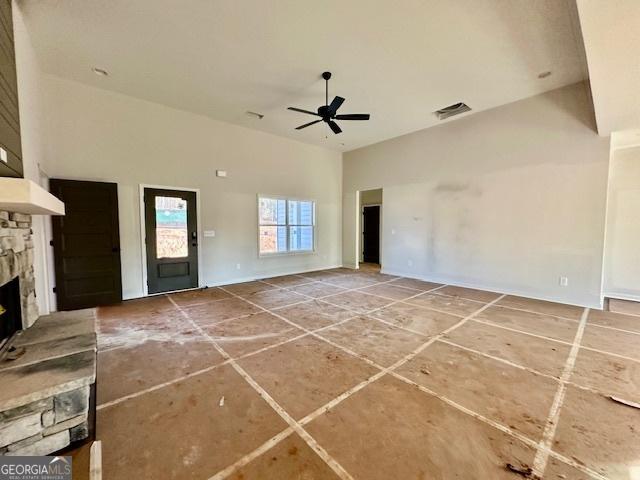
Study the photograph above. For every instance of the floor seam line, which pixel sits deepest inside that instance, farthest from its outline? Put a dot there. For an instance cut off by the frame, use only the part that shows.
(522, 367)
(390, 370)
(384, 371)
(159, 386)
(294, 424)
(543, 337)
(604, 352)
(498, 359)
(542, 454)
(564, 342)
(498, 426)
(543, 447)
(518, 309)
(313, 415)
(614, 328)
(246, 459)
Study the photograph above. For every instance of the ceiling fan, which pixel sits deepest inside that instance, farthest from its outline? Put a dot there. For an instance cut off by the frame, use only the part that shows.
(328, 111)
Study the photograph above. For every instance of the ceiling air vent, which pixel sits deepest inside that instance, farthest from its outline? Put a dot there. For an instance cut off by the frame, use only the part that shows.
(451, 110)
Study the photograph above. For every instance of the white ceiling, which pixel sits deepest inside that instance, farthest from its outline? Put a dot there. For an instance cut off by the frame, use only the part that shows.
(612, 39)
(398, 60)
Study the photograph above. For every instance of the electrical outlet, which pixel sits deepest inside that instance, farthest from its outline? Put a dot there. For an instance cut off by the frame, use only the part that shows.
(564, 281)
(237, 266)
(410, 263)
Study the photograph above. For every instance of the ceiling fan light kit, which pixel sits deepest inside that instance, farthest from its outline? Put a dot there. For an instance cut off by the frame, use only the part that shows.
(328, 111)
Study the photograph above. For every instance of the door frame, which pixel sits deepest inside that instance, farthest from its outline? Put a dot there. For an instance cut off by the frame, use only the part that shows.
(361, 254)
(358, 228)
(143, 246)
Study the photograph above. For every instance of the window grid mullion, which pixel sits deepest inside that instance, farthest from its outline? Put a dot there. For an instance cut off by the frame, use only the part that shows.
(286, 221)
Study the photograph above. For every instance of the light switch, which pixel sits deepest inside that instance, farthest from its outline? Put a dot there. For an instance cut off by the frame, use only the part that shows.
(221, 173)
(209, 233)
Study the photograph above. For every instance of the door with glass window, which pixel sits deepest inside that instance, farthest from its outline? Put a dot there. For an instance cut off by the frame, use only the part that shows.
(171, 233)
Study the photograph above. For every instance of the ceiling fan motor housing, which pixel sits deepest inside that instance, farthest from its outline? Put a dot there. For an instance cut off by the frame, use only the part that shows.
(323, 111)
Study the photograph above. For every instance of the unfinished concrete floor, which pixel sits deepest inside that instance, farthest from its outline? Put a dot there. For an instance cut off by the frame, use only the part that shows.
(357, 374)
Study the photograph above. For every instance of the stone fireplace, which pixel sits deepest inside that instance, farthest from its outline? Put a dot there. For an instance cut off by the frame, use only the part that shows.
(47, 364)
(16, 268)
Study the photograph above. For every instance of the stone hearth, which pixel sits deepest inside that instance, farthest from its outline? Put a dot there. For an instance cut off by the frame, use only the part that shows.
(46, 380)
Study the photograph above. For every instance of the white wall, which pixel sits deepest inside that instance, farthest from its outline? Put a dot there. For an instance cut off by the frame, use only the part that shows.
(30, 103)
(622, 245)
(508, 199)
(351, 242)
(94, 134)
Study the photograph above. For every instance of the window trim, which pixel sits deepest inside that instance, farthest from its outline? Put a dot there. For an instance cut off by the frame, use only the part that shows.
(287, 199)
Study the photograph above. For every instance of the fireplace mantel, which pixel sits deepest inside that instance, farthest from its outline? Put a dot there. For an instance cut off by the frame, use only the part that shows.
(21, 195)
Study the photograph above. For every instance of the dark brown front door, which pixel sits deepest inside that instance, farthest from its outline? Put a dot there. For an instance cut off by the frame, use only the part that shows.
(86, 244)
(371, 234)
(171, 232)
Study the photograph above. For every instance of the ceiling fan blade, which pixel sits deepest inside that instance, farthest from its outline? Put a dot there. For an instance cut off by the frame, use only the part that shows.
(335, 105)
(307, 124)
(302, 111)
(353, 116)
(334, 126)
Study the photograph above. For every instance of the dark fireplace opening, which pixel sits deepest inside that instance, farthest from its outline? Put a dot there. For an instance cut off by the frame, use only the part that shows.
(10, 310)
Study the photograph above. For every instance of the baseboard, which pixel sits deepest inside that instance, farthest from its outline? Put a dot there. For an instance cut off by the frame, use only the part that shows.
(623, 296)
(262, 277)
(598, 305)
(235, 280)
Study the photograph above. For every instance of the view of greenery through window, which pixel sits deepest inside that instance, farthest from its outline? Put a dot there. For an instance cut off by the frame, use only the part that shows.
(285, 225)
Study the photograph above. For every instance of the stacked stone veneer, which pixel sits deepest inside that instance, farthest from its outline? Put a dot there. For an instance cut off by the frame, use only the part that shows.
(46, 376)
(46, 425)
(16, 260)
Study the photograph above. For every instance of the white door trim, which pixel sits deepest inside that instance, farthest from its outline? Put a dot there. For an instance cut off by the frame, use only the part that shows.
(143, 246)
(361, 255)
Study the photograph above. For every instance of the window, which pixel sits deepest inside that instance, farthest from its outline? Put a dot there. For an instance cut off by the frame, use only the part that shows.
(171, 228)
(285, 226)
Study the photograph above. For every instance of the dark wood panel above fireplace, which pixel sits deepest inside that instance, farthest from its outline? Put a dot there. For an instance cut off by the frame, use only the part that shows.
(10, 142)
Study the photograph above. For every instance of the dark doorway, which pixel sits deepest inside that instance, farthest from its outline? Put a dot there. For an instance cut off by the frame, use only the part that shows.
(86, 244)
(171, 238)
(371, 234)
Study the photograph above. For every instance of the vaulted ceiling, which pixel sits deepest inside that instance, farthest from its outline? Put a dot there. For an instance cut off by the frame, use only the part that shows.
(399, 61)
